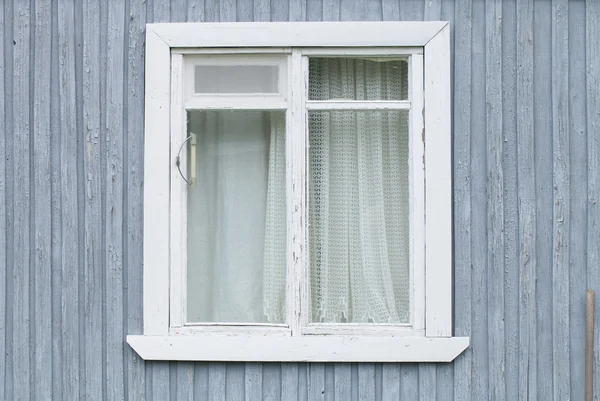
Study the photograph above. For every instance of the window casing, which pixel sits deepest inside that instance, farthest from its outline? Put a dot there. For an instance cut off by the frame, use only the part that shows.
(179, 51)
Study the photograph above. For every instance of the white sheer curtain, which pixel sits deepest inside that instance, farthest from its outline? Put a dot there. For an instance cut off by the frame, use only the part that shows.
(240, 163)
(359, 226)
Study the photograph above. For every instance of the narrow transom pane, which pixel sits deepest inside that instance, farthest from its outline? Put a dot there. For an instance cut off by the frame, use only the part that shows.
(358, 79)
(236, 217)
(236, 79)
(359, 217)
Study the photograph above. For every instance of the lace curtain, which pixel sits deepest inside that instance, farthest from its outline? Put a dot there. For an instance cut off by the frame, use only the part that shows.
(358, 180)
(358, 196)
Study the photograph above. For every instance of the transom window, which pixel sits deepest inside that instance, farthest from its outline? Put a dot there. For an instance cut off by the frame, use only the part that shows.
(303, 193)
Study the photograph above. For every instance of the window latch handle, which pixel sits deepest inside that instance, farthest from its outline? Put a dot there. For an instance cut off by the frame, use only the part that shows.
(192, 162)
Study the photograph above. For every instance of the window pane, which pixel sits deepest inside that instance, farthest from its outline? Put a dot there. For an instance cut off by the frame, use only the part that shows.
(357, 79)
(236, 217)
(236, 79)
(359, 221)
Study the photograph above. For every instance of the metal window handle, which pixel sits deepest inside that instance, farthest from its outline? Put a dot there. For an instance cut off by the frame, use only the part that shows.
(192, 179)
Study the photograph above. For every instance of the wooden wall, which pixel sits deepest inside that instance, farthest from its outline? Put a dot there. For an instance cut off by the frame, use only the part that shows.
(526, 126)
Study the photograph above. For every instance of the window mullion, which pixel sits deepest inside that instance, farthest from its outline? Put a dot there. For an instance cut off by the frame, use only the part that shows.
(296, 184)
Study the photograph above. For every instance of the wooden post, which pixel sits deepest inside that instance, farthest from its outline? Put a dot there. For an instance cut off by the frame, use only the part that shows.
(589, 346)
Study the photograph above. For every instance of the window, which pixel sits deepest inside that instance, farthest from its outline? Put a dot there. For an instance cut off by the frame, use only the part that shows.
(298, 193)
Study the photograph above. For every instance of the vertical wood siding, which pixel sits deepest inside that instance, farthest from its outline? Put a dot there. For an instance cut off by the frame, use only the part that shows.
(526, 160)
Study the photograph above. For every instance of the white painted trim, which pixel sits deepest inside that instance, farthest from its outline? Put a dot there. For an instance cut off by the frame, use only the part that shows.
(258, 102)
(298, 349)
(298, 34)
(417, 191)
(296, 184)
(378, 52)
(438, 187)
(156, 186)
(358, 105)
(178, 210)
(349, 329)
(239, 342)
(231, 330)
(229, 50)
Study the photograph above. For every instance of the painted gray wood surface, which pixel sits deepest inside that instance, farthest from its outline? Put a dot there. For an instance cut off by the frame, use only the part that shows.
(526, 154)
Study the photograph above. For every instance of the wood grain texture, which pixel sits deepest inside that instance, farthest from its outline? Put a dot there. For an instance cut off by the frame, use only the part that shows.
(495, 199)
(578, 187)
(4, 198)
(71, 114)
(542, 72)
(592, 41)
(562, 197)
(42, 214)
(20, 283)
(526, 186)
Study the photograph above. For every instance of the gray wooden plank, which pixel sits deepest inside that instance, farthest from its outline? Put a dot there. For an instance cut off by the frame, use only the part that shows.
(462, 193)
(185, 382)
(134, 194)
(316, 381)
(3, 216)
(374, 10)
(592, 42)
(331, 10)
(390, 10)
(427, 381)
(178, 9)
(201, 381)
(245, 10)
(495, 199)
(289, 382)
(216, 382)
(511, 208)
(329, 382)
(542, 71)
(114, 323)
(391, 382)
(211, 10)
(561, 204)
(253, 375)
(297, 10)
(21, 339)
(280, 11)
(227, 10)
(314, 10)
(69, 202)
(432, 10)
(234, 381)
(343, 376)
(479, 217)
(261, 11)
(444, 378)
(303, 382)
(366, 381)
(271, 381)
(527, 205)
(56, 231)
(195, 11)
(42, 211)
(578, 191)
(93, 261)
(352, 10)
(409, 381)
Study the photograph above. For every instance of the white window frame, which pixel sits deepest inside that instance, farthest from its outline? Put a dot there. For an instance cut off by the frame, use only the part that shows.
(429, 336)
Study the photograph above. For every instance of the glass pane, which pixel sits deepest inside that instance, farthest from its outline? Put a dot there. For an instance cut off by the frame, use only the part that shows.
(236, 79)
(236, 217)
(357, 79)
(359, 225)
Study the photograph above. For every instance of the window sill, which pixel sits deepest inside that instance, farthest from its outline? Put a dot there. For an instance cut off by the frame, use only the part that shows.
(215, 347)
